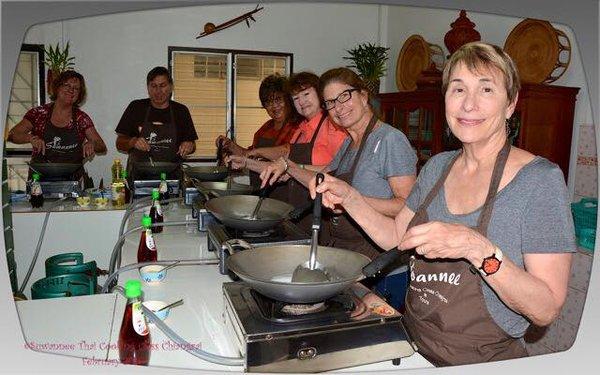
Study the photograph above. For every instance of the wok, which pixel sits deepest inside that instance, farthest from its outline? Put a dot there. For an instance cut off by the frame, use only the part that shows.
(206, 173)
(146, 169)
(55, 170)
(222, 188)
(235, 211)
(269, 270)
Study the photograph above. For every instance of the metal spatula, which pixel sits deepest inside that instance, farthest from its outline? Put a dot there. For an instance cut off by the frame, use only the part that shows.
(310, 272)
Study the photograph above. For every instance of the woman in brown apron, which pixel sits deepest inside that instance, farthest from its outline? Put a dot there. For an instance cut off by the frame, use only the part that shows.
(489, 224)
(316, 141)
(59, 132)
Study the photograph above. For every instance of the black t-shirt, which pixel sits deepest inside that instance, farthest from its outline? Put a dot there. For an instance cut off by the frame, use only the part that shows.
(134, 114)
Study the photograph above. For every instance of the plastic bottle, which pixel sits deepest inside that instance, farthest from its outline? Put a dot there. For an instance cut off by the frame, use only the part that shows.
(126, 188)
(116, 169)
(156, 214)
(118, 193)
(134, 337)
(147, 251)
(163, 188)
(36, 196)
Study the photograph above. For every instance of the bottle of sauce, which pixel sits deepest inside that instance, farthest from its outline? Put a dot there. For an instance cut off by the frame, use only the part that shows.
(118, 193)
(156, 214)
(147, 251)
(116, 169)
(126, 190)
(163, 188)
(134, 337)
(36, 197)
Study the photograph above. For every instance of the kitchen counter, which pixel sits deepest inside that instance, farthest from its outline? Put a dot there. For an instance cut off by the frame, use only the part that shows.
(199, 320)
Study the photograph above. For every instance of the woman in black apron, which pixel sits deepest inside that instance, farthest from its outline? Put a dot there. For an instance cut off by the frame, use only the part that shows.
(59, 132)
(485, 262)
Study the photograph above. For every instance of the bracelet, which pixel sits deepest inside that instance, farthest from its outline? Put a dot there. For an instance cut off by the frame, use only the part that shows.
(301, 166)
(286, 165)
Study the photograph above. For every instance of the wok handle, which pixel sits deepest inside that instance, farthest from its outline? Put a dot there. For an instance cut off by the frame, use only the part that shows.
(235, 243)
(380, 262)
(316, 224)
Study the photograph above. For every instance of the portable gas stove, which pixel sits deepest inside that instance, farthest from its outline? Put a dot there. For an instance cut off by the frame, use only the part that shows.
(344, 331)
(143, 188)
(287, 233)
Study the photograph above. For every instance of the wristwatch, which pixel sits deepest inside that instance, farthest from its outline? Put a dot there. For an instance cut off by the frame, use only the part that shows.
(491, 264)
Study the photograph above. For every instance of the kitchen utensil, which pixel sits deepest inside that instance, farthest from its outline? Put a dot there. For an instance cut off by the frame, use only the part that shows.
(235, 211)
(151, 161)
(152, 170)
(541, 52)
(171, 265)
(206, 173)
(171, 305)
(221, 188)
(55, 170)
(269, 270)
(159, 308)
(310, 273)
(153, 273)
(261, 197)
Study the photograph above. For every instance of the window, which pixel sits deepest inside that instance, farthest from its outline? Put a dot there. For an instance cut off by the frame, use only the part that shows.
(220, 88)
(27, 92)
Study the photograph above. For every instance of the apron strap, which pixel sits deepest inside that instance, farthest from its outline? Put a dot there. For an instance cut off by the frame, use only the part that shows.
(488, 206)
(365, 136)
(438, 184)
(314, 137)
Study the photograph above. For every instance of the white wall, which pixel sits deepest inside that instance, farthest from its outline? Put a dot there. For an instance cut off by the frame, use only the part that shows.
(114, 52)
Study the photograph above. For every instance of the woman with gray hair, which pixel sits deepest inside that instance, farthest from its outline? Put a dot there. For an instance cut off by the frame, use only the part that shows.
(489, 224)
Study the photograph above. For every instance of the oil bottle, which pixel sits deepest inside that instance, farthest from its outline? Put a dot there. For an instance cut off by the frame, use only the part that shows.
(116, 170)
(134, 337)
(156, 214)
(36, 196)
(163, 188)
(147, 251)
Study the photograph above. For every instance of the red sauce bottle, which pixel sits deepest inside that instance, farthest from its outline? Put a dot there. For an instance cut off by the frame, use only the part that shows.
(134, 337)
(147, 251)
(156, 213)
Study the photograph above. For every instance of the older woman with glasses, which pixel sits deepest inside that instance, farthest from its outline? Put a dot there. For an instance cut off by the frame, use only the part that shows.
(489, 226)
(60, 132)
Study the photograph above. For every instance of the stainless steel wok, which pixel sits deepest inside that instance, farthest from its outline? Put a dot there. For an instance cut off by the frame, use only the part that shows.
(55, 170)
(269, 270)
(221, 188)
(147, 169)
(236, 211)
(206, 173)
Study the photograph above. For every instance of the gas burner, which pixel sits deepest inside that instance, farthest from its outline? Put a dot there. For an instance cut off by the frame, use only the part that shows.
(264, 233)
(303, 309)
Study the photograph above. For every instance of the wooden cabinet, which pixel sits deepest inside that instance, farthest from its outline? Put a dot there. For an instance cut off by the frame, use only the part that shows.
(544, 117)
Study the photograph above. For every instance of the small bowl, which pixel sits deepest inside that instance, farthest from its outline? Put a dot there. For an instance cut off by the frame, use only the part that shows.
(157, 305)
(153, 273)
(101, 202)
(83, 201)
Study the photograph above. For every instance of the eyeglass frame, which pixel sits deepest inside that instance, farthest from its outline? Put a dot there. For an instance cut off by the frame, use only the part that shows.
(275, 100)
(68, 86)
(337, 98)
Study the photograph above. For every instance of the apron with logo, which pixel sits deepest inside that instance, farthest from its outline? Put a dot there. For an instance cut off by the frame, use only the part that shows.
(62, 145)
(342, 231)
(447, 316)
(162, 139)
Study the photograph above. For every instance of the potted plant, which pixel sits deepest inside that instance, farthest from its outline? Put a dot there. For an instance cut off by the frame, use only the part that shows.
(57, 60)
(369, 60)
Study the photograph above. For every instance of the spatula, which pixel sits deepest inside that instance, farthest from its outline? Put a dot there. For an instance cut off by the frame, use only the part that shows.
(309, 272)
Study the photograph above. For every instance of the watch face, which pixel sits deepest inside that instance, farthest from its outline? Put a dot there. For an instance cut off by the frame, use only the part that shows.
(490, 265)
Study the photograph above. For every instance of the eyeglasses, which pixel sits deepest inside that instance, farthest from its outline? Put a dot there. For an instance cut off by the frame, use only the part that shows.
(343, 97)
(273, 101)
(71, 87)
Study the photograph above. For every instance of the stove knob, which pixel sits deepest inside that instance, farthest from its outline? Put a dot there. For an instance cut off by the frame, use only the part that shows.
(306, 353)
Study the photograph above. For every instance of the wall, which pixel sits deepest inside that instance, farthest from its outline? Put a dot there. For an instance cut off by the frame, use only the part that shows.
(114, 52)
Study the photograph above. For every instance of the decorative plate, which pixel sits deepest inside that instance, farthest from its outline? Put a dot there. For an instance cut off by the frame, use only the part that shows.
(414, 57)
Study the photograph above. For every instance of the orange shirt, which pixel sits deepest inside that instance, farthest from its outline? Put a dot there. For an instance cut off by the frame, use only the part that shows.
(328, 142)
(281, 136)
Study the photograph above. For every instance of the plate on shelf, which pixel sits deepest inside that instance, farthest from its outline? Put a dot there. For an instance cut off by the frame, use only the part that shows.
(414, 57)
(537, 49)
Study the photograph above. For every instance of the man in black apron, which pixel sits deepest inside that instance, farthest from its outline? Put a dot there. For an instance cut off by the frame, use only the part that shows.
(156, 129)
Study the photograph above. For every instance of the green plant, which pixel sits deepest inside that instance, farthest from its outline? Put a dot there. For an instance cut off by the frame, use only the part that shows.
(58, 60)
(369, 60)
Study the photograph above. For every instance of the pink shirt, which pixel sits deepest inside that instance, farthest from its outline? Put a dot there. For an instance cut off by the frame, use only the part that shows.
(328, 142)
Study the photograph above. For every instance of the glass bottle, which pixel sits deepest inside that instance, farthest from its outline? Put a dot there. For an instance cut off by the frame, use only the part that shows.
(36, 196)
(147, 251)
(156, 213)
(163, 188)
(127, 190)
(134, 337)
(116, 170)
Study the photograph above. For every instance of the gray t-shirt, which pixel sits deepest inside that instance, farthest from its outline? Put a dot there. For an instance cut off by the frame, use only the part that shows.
(386, 153)
(531, 215)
